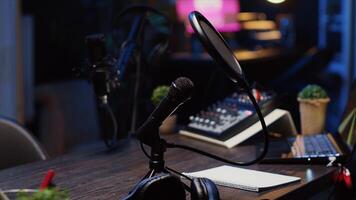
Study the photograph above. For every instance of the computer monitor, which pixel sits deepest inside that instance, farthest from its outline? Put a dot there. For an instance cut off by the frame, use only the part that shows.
(221, 13)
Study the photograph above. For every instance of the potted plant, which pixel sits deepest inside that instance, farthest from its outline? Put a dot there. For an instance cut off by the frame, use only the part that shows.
(46, 194)
(313, 101)
(169, 123)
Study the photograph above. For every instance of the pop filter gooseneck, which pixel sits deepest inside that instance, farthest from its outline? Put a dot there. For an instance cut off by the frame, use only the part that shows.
(221, 53)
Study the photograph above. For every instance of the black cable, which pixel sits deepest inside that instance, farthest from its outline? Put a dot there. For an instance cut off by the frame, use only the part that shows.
(177, 172)
(258, 159)
(136, 92)
(113, 143)
(263, 124)
(168, 169)
(188, 178)
(144, 151)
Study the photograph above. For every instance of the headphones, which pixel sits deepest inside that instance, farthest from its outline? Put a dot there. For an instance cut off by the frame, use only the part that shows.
(167, 186)
(156, 52)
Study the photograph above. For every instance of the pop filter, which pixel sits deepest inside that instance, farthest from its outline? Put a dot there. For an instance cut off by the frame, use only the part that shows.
(218, 49)
(216, 46)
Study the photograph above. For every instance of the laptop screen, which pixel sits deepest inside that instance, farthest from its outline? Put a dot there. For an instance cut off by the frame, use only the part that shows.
(347, 127)
(318, 145)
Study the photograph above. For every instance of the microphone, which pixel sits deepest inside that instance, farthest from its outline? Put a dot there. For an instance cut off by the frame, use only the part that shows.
(179, 92)
(102, 67)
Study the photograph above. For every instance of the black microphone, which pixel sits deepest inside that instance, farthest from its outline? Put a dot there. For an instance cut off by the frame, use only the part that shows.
(179, 92)
(102, 67)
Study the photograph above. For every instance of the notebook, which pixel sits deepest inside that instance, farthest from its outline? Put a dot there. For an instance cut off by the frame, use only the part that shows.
(245, 179)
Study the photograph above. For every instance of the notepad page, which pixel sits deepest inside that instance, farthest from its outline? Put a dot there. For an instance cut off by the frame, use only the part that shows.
(246, 179)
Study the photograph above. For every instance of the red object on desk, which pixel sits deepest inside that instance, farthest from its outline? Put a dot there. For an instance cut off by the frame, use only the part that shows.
(257, 94)
(47, 181)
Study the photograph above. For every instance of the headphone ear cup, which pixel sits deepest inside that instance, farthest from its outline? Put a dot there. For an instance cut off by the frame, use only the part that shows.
(204, 189)
(160, 187)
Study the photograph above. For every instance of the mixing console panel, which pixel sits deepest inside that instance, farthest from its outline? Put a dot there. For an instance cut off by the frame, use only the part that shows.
(228, 116)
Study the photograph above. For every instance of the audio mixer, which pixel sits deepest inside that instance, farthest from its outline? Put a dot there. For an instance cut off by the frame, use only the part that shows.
(229, 116)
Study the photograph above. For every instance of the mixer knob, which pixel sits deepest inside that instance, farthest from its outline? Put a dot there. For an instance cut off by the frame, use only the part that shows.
(191, 118)
(212, 124)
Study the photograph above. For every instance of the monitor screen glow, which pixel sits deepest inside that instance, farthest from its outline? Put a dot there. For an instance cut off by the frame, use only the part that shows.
(221, 13)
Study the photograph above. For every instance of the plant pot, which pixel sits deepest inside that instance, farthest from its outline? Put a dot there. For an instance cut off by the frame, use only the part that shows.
(312, 115)
(168, 125)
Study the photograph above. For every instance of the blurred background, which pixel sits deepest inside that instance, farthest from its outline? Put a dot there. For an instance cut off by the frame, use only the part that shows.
(282, 45)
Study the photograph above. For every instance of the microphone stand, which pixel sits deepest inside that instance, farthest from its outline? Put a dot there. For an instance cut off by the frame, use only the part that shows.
(156, 159)
(133, 46)
(158, 147)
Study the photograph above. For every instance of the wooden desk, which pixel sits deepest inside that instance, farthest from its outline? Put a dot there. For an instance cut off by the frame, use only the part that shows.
(98, 174)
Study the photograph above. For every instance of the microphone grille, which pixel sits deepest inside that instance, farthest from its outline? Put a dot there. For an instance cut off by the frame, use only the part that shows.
(181, 88)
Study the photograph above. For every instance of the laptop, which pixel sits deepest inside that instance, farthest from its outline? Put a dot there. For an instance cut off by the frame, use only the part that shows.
(320, 148)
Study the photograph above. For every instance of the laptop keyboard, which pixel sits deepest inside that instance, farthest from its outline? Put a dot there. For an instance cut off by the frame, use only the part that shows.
(312, 146)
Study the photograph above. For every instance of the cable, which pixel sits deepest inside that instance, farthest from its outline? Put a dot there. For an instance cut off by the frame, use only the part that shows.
(144, 151)
(258, 159)
(136, 92)
(188, 178)
(177, 172)
(263, 124)
(113, 143)
(168, 168)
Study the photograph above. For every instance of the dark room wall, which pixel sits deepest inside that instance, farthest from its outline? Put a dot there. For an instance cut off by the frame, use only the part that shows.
(305, 14)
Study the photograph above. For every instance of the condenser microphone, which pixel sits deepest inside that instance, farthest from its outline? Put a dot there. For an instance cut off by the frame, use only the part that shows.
(102, 67)
(179, 92)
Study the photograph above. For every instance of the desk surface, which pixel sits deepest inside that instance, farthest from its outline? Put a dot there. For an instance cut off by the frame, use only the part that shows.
(98, 174)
